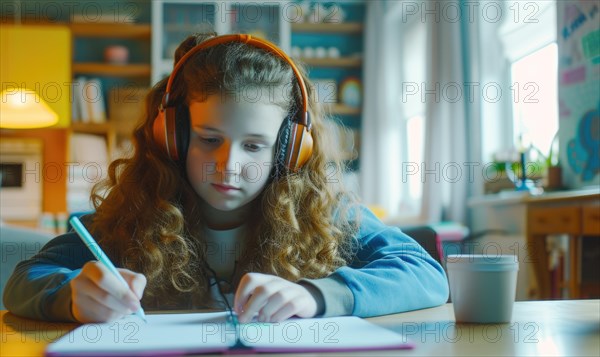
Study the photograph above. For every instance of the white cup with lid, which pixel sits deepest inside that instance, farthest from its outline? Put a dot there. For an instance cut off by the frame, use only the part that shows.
(482, 287)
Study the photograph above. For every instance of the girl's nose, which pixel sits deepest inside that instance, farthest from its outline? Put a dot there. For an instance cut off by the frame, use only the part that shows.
(228, 160)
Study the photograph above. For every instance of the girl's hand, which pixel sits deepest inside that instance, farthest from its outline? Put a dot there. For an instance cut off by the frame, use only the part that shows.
(98, 296)
(273, 298)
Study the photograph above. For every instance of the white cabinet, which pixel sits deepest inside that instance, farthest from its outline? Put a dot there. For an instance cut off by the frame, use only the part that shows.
(505, 212)
(174, 20)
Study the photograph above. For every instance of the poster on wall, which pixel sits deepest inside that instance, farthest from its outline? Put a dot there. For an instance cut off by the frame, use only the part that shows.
(579, 91)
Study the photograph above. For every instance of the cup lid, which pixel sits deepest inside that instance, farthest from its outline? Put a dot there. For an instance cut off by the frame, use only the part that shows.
(489, 262)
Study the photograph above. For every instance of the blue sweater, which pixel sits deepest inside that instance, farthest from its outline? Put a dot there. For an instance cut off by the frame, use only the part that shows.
(390, 273)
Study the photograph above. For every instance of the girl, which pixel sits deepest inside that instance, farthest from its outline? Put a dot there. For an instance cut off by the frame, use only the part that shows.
(229, 190)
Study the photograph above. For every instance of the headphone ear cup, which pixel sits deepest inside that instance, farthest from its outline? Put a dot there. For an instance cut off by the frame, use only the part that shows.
(182, 131)
(294, 147)
(159, 131)
(171, 131)
(301, 147)
(281, 153)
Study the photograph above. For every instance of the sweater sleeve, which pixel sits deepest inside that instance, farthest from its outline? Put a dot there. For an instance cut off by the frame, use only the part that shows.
(390, 273)
(38, 288)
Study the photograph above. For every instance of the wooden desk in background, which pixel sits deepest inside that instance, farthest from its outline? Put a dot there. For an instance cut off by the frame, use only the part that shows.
(576, 213)
(538, 328)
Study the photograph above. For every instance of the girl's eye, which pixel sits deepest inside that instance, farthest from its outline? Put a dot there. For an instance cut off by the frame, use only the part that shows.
(253, 147)
(209, 140)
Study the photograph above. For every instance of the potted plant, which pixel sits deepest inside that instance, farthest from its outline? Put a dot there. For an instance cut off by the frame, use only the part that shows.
(553, 168)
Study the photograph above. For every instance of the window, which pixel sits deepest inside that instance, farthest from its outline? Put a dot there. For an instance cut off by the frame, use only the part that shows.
(415, 129)
(528, 34)
(413, 115)
(534, 89)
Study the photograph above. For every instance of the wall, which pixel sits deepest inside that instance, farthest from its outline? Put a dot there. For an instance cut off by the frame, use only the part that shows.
(579, 92)
(45, 68)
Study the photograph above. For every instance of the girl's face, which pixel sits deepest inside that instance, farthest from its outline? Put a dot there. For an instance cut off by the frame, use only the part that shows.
(232, 144)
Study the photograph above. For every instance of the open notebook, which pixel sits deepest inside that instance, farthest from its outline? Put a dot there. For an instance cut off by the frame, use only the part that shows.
(178, 334)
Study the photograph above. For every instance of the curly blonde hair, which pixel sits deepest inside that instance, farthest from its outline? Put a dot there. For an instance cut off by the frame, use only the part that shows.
(147, 214)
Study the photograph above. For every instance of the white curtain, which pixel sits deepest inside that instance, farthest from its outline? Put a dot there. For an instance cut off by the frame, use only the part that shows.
(445, 181)
(452, 130)
(380, 134)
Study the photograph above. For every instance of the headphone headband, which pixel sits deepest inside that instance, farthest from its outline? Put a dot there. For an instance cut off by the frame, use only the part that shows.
(171, 130)
(304, 118)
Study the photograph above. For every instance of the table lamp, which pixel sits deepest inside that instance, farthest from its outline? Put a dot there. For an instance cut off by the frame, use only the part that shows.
(24, 109)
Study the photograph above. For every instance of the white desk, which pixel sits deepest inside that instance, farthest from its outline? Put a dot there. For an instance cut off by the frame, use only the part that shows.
(538, 328)
(528, 220)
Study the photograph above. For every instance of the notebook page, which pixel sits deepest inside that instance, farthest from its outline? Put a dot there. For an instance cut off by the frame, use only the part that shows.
(171, 334)
(178, 334)
(346, 333)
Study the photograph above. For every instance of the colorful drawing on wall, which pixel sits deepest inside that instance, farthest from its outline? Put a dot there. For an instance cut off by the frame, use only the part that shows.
(584, 150)
(563, 109)
(579, 92)
(573, 76)
(591, 46)
(574, 18)
(577, 156)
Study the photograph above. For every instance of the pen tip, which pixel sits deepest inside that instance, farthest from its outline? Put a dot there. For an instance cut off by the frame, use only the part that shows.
(140, 313)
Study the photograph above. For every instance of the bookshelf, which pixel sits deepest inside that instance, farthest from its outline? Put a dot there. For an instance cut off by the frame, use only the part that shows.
(337, 28)
(120, 87)
(113, 30)
(347, 62)
(342, 109)
(134, 73)
(346, 36)
(103, 69)
(343, 31)
(174, 20)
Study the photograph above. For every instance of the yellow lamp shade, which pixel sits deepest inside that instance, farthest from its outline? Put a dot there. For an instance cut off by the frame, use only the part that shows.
(25, 109)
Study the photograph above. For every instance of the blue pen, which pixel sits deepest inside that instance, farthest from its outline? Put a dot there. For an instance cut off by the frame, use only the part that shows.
(89, 241)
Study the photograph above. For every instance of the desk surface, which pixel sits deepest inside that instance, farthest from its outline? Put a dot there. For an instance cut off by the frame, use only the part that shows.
(521, 197)
(538, 328)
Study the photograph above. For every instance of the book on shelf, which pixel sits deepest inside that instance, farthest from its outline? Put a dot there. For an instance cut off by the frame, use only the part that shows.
(81, 114)
(75, 101)
(89, 103)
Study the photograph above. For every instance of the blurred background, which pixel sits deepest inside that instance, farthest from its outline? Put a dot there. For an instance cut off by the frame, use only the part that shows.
(452, 115)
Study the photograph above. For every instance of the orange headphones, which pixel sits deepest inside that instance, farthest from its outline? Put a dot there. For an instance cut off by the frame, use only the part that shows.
(171, 126)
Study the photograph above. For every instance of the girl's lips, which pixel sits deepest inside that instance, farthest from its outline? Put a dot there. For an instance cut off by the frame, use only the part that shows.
(224, 188)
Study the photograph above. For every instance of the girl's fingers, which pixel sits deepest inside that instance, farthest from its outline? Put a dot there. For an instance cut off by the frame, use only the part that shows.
(248, 283)
(285, 312)
(273, 298)
(100, 297)
(270, 296)
(275, 303)
(99, 312)
(256, 301)
(137, 282)
(254, 292)
(108, 282)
